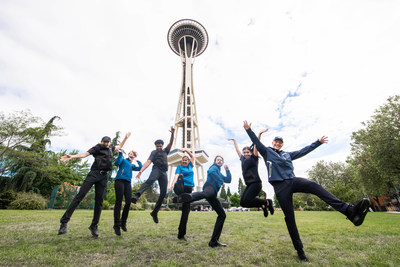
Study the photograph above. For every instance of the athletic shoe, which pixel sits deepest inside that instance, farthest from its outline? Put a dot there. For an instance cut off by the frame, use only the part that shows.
(214, 244)
(270, 206)
(182, 238)
(117, 230)
(93, 230)
(154, 215)
(134, 199)
(123, 227)
(63, 229)
(357, 213)
(265, 210)
(302, 256)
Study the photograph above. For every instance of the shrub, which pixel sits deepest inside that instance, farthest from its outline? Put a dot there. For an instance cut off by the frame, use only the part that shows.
(28, 201)
(106, 205)
(6, 198)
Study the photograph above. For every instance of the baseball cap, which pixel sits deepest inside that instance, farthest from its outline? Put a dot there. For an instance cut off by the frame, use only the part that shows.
(278, 138)
(106, 139)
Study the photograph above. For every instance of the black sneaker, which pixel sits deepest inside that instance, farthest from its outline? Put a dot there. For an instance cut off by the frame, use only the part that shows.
(357, 213)
(134, 199)
(184, 197)
(271, 206)
(123, 227)
(265, 210)
(302, 256)
(154, 215)
(63, 229)
(117, 230)
(93, 230)
(214, 244)
(182, 238)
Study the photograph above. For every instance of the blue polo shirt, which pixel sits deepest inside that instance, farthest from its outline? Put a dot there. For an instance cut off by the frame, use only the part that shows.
(187, 172)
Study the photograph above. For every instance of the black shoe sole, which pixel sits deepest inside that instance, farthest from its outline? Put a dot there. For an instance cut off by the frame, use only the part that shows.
(364, 208)
(271, 207)
(155, 218)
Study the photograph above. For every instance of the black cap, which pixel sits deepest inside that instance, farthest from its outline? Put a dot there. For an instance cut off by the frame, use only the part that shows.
(106, 139)
(278, 138)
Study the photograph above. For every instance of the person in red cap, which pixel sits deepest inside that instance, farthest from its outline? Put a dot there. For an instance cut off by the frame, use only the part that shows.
(103, 157)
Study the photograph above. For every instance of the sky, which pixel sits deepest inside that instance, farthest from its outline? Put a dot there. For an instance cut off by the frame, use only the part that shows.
(302, 69)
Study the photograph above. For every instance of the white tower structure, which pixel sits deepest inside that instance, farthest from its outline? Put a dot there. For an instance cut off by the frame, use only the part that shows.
(188, 39)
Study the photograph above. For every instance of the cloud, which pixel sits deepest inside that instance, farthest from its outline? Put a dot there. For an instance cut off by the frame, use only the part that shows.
(302, 70)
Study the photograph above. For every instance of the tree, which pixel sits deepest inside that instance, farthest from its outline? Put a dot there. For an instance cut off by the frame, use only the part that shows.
(223, 194)
(235, 200)
(241, 187)
(228, 193)
(376, 149)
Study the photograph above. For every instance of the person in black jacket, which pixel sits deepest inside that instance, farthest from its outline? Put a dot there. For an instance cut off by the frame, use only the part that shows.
(159, 173)
(249, 160)
(103, 157)
(282, 178)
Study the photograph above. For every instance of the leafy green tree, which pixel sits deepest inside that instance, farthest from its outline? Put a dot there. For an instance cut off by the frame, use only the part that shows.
(235, 200)
(376, 149)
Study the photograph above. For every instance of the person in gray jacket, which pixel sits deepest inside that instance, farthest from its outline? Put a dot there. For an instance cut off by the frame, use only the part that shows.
(285, 183)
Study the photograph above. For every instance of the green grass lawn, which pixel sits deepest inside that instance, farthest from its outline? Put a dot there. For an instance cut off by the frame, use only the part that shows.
(29, 238)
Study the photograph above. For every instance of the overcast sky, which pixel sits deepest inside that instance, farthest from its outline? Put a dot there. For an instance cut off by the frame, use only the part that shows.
(303, 69)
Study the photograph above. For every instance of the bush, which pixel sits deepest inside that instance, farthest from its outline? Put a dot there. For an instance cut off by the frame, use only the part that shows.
(28, 201)
(6, 198)
(106, 205)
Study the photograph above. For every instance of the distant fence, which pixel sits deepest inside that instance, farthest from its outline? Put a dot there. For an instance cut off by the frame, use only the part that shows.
(63, 194)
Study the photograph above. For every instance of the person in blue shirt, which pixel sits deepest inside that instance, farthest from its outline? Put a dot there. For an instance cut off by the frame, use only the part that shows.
(285, 183)
(123, 187)
(213, 184)
(249, 160)
(186, 171)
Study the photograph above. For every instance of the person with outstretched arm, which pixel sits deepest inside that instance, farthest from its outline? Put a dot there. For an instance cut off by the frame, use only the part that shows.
(159, 173)
(123, 187)
(186, 175)
(282, 178)
(103, 158)
(213, 184)
(249, 159)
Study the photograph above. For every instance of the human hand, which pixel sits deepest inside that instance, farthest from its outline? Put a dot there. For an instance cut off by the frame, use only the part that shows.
(263, 131)
(226, 167)
(172, 130)
(127, 135)
(66, 157)
(246, 125)
(323, 139)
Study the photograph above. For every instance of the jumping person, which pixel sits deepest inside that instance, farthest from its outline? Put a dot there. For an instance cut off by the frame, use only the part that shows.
(285, 183)
(249, 160)
(159, 173)
(123, 188)
(103, 157)
(186, 170)
(214, 181)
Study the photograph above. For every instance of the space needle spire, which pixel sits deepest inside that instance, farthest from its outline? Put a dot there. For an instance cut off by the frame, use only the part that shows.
(188, 39)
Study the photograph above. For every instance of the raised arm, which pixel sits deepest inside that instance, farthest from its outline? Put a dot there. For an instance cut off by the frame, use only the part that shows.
(255, 152)
(189, 153)
(171, 139)
(144, 167)
(236, 146)
(67, 157)
(260, 147)
(127, 135)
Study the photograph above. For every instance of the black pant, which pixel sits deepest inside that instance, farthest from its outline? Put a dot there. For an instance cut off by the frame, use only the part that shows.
(185, 213)
(99, 180)
(249, 197)
(122, 188)
(210, 195)
(284, 193)
(162, 178)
